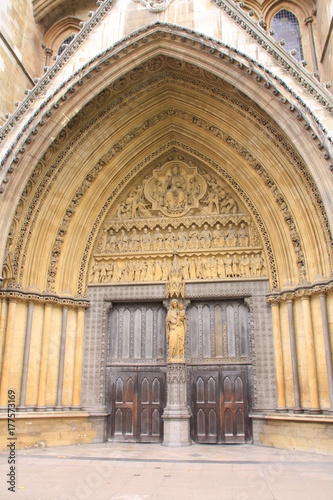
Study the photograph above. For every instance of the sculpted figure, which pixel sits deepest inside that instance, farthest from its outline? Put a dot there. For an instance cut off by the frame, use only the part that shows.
(122, 241)
(211, 266)
(158, 240)
(193, 191)
(194, 238)
(146, 240)
(244, 265)
(158, 193)
(228, 266)
(176, 330)
(212, 201)
(102, 272)
(217, 238)
(182, 239)
(235, 266)
(229, 206)
(193, 269)
(165, 269)
(131, 270)
(139, 205)
(258, 265)
(109, 271)
(144, 271)
(243, 236)
(94, 278)
(220, 268)
(111, 242)
(200, 269)
(138, 270)
(158, 270)
(175, 190)
(124, 272)
(134, 241)
(116, 273)
(186, 269)
(205, 237)
(231, 236)
(170, 239)
(151, 270)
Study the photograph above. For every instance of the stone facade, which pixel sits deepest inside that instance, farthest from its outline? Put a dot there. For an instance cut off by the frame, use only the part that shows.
(182, 155)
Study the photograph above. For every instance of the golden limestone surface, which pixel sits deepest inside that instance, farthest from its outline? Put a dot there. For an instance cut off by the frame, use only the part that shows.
(177, 210)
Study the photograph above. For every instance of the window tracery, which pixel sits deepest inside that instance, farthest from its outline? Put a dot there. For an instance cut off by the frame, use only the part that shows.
(286, 26)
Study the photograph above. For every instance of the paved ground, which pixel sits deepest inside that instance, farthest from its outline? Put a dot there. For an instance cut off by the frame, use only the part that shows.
(152, 471)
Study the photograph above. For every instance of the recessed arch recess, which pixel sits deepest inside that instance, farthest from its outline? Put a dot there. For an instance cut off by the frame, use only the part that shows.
(215, 105)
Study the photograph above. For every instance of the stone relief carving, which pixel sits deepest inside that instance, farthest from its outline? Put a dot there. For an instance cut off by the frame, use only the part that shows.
(179, 232)
(155, 6)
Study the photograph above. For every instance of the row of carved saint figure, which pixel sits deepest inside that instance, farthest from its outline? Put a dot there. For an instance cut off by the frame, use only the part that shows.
(231, 266)
(181, 240)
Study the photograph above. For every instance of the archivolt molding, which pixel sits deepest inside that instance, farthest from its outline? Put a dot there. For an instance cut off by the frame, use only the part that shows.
(93, 174)
(103, 97)
(133, 42)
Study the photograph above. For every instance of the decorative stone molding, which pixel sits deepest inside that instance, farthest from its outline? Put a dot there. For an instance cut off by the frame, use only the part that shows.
(293, 293)
(44, 298)
(282, 57)
(213, 46)
(155, 6)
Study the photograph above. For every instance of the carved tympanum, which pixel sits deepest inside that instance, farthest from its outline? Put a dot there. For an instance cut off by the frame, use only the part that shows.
(179, 223)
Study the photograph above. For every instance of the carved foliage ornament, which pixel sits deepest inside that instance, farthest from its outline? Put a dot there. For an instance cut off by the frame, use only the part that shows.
(155, 6)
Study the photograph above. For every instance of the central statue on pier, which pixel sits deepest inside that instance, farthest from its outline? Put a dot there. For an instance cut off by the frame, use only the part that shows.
(176, 331)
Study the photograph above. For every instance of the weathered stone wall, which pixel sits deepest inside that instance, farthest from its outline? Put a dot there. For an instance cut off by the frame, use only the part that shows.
(21, 54)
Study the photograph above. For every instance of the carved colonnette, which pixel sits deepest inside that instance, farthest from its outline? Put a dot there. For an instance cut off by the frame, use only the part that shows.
(314, 337)
(47, 331)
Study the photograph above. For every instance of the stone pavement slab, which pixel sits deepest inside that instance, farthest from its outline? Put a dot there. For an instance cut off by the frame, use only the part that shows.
(127, 471)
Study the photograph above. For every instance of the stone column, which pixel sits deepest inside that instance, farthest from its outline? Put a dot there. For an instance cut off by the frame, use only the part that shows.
(327, 343)
(26, 357)
(281, 397)
(6, 354)
(3, 322)
(41, 406)
(297, 408)
(62, 358)
(310, 349)
(78, 359)
(308, 22)
(176, 414)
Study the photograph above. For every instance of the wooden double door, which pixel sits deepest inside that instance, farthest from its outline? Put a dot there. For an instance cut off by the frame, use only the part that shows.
(219, 403)
(137, 400)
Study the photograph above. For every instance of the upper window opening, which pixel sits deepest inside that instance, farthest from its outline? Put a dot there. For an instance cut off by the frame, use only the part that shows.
(286, 26)
(64, 44)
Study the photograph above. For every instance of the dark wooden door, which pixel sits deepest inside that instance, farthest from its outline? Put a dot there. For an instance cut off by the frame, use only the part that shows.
(205, 394)
(220, 405)
(137, 402)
